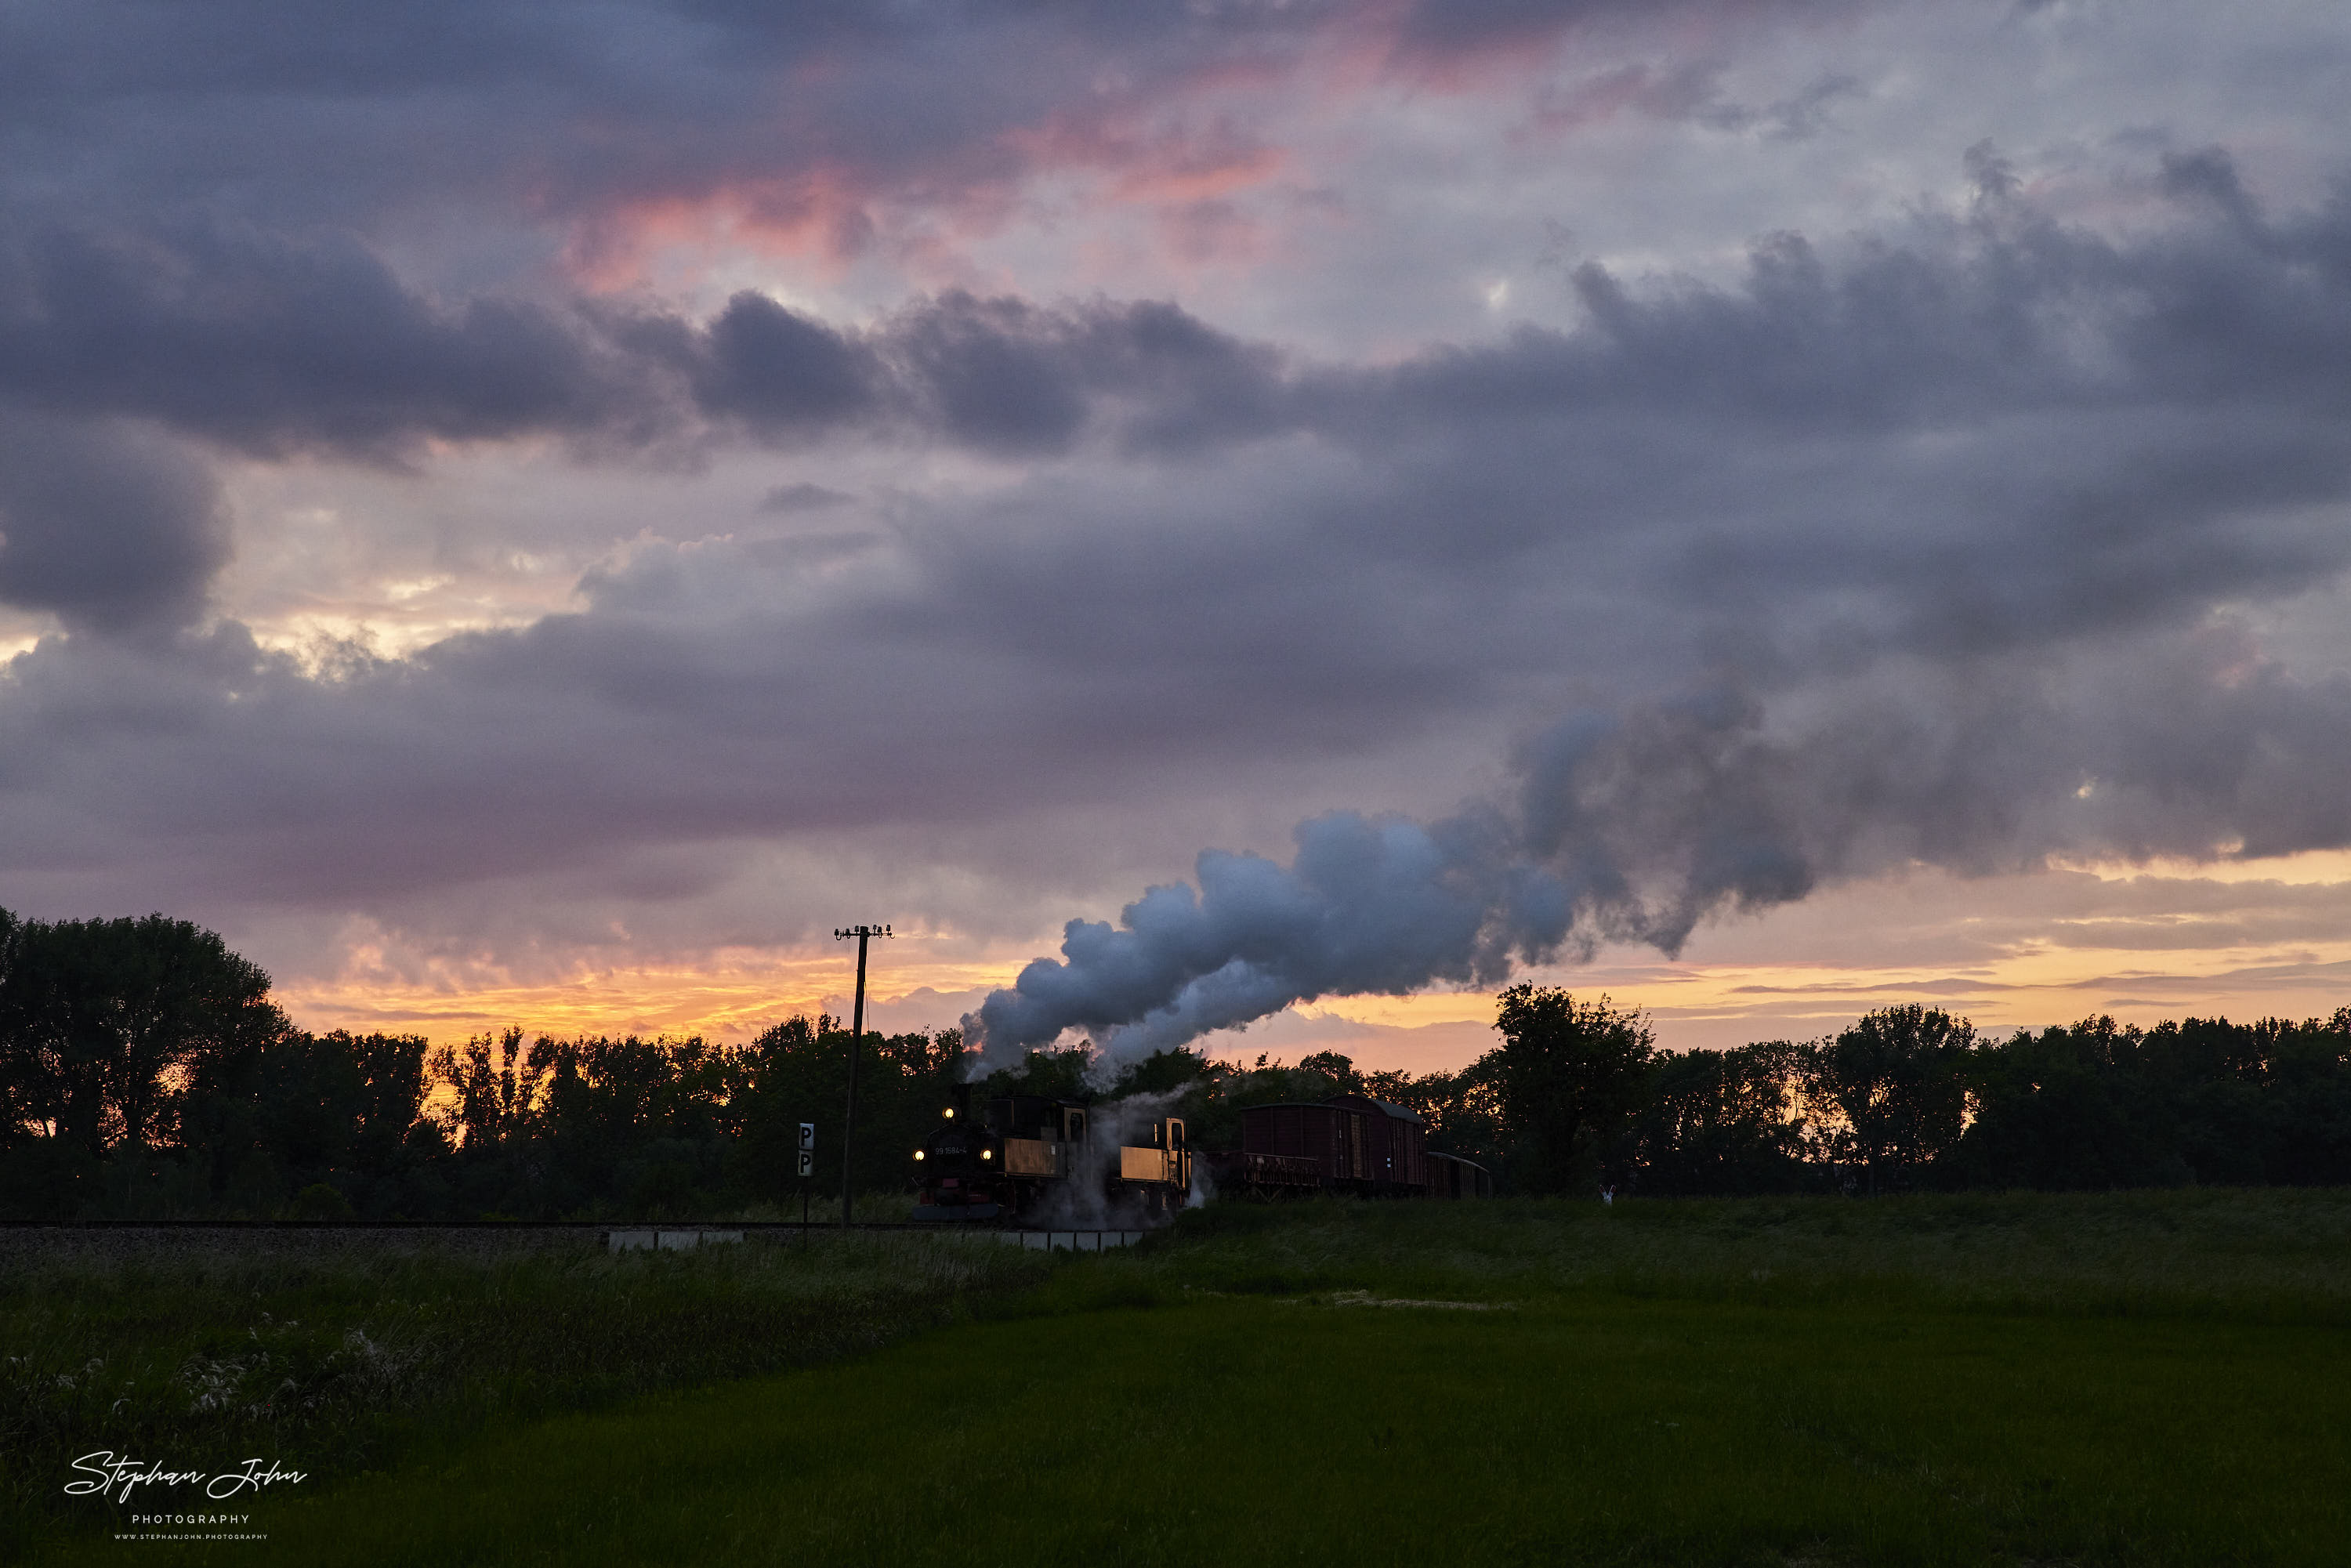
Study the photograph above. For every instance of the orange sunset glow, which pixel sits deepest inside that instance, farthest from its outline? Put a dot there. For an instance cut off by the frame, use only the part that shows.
(2024, 979)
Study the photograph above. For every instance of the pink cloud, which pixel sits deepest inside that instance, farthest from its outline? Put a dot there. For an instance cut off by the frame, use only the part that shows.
(1178, 125)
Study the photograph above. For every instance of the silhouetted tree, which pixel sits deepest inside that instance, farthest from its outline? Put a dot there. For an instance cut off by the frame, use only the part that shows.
(1338, 1067)
(2307, 1079)
(634, 1126)
(2070, 1107)
(1568, 1072)
(17, 1073)
(335, 1110)
(497, 1086)
(1892, 1090)
(1723, 1122)
(799, 1070)
(106, 1026)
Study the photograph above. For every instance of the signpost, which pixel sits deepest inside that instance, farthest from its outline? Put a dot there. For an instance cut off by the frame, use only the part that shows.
(808, 1166)
(864, 933)
(808, 1170)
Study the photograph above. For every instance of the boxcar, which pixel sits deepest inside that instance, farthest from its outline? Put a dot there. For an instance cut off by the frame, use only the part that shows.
(1394, 1143)
(1354, 1142)
(1239, 1173)
(1450, 1175)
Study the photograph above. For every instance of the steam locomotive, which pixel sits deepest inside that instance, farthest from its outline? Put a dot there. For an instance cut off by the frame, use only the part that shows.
(1023, 1155)
(1023, 1151)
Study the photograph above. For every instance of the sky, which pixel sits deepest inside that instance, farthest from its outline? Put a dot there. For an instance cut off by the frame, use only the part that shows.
(1253, 523)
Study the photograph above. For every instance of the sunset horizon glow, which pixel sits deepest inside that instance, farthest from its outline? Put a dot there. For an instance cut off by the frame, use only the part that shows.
(2027, 983)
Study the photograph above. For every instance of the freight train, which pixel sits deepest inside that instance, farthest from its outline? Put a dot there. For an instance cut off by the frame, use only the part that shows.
(1024, 1156)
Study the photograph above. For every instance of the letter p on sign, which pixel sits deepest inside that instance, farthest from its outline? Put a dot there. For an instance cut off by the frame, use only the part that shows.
(808, 1134)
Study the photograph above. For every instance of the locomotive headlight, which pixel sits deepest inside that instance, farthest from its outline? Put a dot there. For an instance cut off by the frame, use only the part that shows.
(918, 1154)
(950, 1112)
(988, 1154)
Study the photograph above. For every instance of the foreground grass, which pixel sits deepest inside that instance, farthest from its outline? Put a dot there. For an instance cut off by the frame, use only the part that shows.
(2128, 1379)
(1257, 1431)
(2239, 1254)
(340, 1352)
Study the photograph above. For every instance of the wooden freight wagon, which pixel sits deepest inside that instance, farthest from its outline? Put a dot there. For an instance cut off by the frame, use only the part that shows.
(1240, 1174)
(1329, 1138)
(1394, 1143)
(1450, 1175)
(1355, 1143)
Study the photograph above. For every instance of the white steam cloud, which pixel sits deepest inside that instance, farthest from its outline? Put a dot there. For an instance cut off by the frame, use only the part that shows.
(1638, 826)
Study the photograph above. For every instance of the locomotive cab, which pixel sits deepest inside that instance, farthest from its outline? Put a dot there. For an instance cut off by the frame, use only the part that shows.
(997, 1163)
(1001, 1160)
(1042, 1136)
(1157, 1170)
(1037, 1117)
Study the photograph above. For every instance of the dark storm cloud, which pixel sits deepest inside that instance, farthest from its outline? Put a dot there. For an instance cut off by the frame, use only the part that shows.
(1000, 375)
(270, 346)
(776, 370)
(197, 206)
(803, 496)
(1988, 435)
(1445, 27)
(681, 710)
(282, 112)
(1003, 374)
(2004, 312)
(1996, 431)
(108, 528)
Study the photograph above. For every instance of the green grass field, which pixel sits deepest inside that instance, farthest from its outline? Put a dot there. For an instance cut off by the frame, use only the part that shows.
(2156, 1378)
(342, 1352)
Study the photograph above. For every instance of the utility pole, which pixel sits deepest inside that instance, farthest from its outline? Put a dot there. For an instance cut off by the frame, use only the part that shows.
(864, 933)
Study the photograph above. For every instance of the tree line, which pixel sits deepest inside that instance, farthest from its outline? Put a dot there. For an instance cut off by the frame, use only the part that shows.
(144, 1072)
(1578, 1093)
